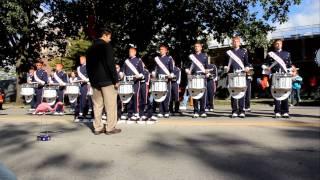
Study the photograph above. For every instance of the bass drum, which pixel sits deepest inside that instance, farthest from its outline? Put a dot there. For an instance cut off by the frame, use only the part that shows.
(281, 86)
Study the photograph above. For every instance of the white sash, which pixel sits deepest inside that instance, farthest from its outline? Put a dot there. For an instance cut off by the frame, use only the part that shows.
(162, 66)
(131, 66)
(37, 78)
(279, 60)
(82, 76)
(197, 62)
(57, 78)
(235, 58)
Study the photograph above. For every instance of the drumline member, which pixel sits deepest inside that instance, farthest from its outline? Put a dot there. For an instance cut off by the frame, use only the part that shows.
(133, 67)
(175, 82)
(29, 81)
(144, 91)
(281, 107)
(199, 66)
(60, 77)
(212, 78)
(72, 79)
(149, 102)
(40, 76)
(84, 87)
(119, 103)
(248, 92)
(239, 61)
(164, 67)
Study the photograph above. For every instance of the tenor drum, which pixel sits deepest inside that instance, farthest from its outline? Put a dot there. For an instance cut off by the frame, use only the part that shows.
(125, 91)
(72, 91)
(196, 86)
(159, 89)
(50, 94)
(281, 86)
(237, 85)
(27, 90)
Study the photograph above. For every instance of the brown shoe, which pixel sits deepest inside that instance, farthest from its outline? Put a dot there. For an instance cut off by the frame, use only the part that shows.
(98, 132)
(114, 131)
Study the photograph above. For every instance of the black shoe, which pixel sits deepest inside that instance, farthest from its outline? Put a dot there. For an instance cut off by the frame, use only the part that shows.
(114, 131)
(98, 132)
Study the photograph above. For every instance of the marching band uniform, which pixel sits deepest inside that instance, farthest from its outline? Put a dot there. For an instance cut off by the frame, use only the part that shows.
(233, 66)
(165, 68)
(41, 77)
(248, 92)
(144, 91)
(281, 107)
(196, 70)
(133, 67)
(175, 82)
(84, 86)
(61, 78)
(33, 101)
(212, 77)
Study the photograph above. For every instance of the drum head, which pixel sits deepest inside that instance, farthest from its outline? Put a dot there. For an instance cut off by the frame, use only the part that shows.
(237, 93)
(280, 94)
(125, 98)
(72, 98)
(28, 99)
(159, 96)
(196, 93)
(51, 101)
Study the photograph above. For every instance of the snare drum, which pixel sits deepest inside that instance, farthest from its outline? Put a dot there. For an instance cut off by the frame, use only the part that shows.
(281, 81)
(27, 90)
(196, 86)
(237, 80)
(50, 94)
(72, 91)
(159, 89)
(196, 82)
(159, 86)
(237, 84)
(281, 86)
(125, 91)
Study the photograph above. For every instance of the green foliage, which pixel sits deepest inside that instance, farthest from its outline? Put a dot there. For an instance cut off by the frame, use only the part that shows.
(76, 47)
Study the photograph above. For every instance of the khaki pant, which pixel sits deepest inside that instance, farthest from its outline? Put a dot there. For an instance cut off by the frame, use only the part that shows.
(105, 97)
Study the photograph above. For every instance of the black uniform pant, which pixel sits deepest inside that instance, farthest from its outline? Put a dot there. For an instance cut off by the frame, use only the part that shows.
(237, 105)
(174, 103)
(248, 94)
(133, 105)
(211, 91)
(60, 93)
(164, 105)
(38, 99)
(200, 102)
(281, 106)
(85, 100)
(143, 98)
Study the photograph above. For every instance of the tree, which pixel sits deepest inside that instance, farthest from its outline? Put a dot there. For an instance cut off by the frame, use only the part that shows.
(23, 32)
(180, 23)
(76, 47)
(26, 24)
